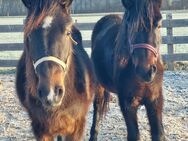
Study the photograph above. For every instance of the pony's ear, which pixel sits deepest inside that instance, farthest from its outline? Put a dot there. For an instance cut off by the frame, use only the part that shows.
(127, 3)
(65, 3)
(27, 3)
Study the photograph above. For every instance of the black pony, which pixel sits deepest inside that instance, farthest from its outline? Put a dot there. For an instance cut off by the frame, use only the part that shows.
(55, 80)
(127, 61)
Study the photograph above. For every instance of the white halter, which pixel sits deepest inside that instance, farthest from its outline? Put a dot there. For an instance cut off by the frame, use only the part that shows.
(54, 59)
(50, 58)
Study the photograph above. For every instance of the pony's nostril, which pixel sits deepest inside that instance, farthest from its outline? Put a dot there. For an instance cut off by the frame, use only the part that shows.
(153, 68)
(59, 90)
(48, 102)
(40, 94)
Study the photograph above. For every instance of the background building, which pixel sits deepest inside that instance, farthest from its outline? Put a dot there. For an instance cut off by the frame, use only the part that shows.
(15, 7)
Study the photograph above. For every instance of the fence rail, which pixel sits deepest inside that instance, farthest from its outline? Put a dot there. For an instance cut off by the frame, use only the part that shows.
(170, 40)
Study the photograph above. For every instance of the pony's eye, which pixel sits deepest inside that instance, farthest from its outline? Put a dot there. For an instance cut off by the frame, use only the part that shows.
(68, 33)
(159, 26)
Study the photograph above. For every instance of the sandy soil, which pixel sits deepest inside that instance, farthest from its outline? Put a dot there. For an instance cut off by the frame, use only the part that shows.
(15, 124)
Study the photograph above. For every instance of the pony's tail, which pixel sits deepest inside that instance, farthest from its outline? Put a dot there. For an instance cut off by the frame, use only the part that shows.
(100, 106)
(102, 99)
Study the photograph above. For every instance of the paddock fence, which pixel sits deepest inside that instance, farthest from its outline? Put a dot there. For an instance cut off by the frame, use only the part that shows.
(87, 25)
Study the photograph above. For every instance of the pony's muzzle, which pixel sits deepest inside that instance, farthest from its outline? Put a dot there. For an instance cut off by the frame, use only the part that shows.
(146, 74)
(151, 73)
(51, 97)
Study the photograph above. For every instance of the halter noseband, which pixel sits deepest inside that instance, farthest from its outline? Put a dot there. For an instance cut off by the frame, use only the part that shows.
(50, 58)
(146, 46)
(54, 59)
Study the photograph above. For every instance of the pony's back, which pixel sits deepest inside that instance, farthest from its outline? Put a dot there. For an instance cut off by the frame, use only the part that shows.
(104, 24)
(103, 43)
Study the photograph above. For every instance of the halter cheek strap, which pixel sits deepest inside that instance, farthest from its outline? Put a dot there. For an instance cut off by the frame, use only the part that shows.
(50, 58)
(74, 42)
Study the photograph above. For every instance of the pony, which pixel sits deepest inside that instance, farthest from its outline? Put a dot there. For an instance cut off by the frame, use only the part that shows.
(127, 61)
(55, 79)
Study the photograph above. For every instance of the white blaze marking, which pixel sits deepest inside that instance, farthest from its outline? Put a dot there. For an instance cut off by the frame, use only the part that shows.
(47, 22)
(51, 95)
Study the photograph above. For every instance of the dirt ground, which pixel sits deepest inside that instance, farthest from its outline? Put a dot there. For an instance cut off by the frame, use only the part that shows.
(15, 124)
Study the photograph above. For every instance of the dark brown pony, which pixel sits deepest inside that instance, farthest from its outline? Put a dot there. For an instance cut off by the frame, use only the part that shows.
(55, 80)
(125, 53)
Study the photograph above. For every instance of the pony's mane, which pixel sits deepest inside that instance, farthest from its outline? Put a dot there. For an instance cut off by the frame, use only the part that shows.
(142, 17)
(40, 9)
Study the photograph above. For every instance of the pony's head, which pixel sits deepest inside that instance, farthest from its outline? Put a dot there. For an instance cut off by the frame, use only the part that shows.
(142, 24)
(48, 45)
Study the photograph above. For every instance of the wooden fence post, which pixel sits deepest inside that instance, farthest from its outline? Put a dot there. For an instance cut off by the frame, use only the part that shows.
(170, 46)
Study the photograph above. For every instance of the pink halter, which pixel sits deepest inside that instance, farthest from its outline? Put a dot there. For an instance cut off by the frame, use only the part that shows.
(146, 46)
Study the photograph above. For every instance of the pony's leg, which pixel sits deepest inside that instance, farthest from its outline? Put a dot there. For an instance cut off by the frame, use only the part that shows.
(45, 138)
(154, 113)
(79, 131)
(38, 131)
(59, 138)
(130, 115)
(100, 106)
